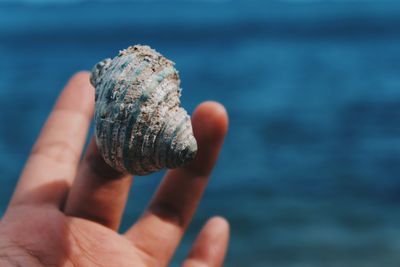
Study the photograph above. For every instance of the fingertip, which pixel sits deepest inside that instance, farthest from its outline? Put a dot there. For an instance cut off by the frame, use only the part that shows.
(217, 228)
(210, 124)
(218, 224)
(210, 121)
(80, 76)
(78, 94)
(211, 245)
(80, 80)
(215, 106)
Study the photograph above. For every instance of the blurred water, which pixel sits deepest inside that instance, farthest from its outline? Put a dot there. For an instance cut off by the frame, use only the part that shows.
(309, 172)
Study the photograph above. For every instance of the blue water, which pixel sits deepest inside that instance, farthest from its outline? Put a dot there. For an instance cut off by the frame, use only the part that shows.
(309, 173)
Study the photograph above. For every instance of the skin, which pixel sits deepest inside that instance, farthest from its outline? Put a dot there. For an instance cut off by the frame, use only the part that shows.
(66, 208)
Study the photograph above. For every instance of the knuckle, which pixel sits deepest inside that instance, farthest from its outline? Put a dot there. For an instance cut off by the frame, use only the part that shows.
(58, 151)
(168, 212)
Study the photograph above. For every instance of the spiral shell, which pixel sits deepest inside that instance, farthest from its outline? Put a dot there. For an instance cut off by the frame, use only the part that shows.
(140, 126)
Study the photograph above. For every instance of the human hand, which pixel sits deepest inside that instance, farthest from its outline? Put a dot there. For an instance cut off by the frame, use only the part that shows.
(66, 212)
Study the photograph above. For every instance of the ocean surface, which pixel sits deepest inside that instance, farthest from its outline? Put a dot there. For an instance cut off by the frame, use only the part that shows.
(310, 171)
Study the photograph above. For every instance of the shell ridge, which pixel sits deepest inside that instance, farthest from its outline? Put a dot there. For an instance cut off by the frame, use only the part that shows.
(115, 124)
(153, 144)
(111, 70)
(106, 86)
(98, 70)
(127, 159)
(125, 110)
(162, 76)
(170, 91)
(139, 140)
(157, 146)
(116, 128)
(102, 104)
(127, 67)
(122, 97)
(171, 139)
(180, 135)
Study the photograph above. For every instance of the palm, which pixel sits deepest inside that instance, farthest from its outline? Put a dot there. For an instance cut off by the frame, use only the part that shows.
(66, 212)
(67, 241)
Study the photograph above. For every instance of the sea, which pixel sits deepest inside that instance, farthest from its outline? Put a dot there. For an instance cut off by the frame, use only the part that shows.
(309, 174)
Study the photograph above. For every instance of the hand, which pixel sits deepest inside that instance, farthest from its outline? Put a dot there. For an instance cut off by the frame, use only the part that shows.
(66, 212)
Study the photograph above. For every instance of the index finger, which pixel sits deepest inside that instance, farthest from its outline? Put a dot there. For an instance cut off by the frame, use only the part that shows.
(52, 164)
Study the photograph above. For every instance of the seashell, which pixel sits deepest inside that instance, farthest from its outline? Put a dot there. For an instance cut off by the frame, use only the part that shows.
(140, 126)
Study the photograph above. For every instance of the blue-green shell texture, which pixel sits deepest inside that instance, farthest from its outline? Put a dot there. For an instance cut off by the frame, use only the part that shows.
(140, 126)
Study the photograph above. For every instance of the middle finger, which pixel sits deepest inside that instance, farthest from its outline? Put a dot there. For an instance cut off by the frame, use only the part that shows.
(99, 193)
